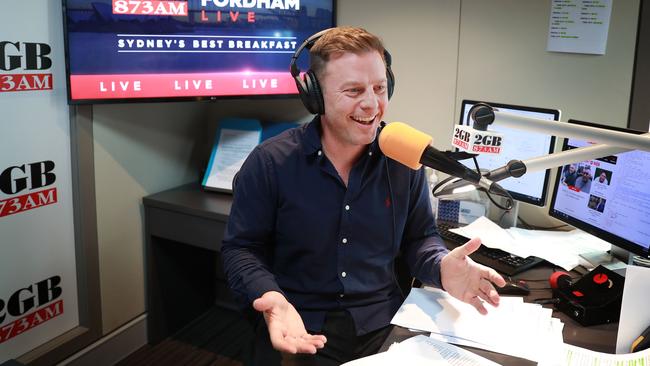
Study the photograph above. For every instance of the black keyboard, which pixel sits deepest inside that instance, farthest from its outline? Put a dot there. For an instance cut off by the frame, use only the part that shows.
(501, 261)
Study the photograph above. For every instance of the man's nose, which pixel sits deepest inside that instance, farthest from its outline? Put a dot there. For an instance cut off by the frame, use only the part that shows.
(370, 99)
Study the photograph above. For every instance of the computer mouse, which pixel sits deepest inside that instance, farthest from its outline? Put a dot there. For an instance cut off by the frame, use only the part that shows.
(514, 287)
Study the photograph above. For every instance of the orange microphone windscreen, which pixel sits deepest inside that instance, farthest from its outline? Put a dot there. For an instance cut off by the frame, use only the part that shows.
(403, 143)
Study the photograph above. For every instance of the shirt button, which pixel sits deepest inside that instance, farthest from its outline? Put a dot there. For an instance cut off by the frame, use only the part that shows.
(341, 295)
(369, 153)
(345, 240)
(320, 153)
(343, 274)
(347, 207)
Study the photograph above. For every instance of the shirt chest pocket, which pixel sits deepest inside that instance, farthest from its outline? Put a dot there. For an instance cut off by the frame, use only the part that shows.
(370, 224)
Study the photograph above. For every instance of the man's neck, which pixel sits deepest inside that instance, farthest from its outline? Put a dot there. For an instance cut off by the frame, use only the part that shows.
(342, 156)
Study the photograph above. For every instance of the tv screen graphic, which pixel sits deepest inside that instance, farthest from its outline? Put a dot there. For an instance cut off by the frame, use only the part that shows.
(120, 50)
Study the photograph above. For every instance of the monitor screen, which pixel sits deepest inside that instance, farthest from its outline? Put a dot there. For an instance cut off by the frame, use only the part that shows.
(518, 144)
(145, 50)
(608, 197)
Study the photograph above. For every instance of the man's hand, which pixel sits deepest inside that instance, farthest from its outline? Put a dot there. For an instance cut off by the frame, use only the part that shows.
(286, 329)
(467, 280)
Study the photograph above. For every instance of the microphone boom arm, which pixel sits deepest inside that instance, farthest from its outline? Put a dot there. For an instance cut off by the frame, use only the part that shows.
(611, 142)
(613, 138)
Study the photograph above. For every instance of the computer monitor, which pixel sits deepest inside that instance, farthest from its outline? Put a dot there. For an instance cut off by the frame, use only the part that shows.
(518, 144)
(609, 199)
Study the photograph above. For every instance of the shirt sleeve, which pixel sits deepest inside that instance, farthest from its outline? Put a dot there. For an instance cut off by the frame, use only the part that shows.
(247, 244)
(422, 247)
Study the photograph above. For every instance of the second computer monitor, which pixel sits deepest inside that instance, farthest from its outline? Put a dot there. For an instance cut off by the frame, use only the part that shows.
(608, 197)
(518, 144)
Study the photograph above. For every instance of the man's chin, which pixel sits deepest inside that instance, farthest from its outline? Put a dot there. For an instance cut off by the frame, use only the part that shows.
(370, 138)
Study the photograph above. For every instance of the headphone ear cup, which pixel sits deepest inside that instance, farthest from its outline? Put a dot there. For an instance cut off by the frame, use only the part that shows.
(390, 81)
(314, 97)
(303, 92)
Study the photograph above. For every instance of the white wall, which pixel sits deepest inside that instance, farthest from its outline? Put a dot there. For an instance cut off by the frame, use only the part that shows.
(503, 58)
(439, 48)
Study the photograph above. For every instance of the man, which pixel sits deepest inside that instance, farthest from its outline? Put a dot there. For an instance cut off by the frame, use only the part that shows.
(602, 178)
(570, 175)
(583, 182)
(320, 214)
(601, 205)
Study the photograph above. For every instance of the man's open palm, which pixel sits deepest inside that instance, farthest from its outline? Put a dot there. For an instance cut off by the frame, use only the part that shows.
(286, 329)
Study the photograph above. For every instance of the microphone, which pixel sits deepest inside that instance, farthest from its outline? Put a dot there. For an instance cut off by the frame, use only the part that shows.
(412, 148)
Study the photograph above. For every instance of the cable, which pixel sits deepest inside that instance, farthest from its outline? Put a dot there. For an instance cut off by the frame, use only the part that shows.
(503, 214)
(478, 170)
(545, 301)
(442, 183)
(509, 199)
(509, 202)
(534, 280)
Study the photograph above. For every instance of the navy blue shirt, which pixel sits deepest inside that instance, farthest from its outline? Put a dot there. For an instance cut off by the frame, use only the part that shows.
(295, 228)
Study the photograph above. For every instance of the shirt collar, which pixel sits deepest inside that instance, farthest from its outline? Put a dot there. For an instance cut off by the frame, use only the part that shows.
(313, 142)
(312, 137)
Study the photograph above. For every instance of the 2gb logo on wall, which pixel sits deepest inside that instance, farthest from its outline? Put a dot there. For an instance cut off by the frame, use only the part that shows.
(24, 56)
(40, 296)
(31, 178)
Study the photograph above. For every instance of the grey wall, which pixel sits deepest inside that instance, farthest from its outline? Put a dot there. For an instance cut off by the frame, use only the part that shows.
(140, 149)
(439, 50)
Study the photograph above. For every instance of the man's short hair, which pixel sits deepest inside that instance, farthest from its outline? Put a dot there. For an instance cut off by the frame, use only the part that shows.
(340, 40)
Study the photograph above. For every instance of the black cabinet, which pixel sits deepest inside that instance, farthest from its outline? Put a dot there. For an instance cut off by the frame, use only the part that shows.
(184, 227)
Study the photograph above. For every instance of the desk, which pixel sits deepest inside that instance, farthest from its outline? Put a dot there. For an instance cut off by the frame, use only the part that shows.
(184, 227)
(600, 338)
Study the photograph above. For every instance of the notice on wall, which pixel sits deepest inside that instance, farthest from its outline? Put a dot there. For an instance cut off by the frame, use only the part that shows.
(579, 26)
(38, 273)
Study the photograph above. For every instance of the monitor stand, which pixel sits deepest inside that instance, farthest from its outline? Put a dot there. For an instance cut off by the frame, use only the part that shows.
(615, 259)
(600, 258)
(505, 219)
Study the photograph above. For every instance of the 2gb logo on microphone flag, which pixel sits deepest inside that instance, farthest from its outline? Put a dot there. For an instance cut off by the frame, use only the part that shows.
(473, 141)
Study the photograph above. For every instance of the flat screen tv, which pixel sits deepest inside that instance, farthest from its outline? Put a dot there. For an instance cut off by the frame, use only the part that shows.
(146, 50)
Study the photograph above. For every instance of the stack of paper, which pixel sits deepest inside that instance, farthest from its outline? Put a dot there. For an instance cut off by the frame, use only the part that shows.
(562, 248)
(577, 356)
(513, 328)
(423, 351)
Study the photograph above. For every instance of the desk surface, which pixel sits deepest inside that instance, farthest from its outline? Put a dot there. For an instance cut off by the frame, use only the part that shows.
(193, 200)
(600, 338)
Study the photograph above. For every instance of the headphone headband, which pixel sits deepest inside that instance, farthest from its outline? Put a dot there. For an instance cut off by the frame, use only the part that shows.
(308, 86)
(308, 43)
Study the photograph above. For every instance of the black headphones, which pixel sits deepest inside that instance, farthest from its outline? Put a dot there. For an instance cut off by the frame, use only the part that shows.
(308, 87)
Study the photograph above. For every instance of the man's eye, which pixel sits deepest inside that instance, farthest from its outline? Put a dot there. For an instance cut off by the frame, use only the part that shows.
(380, 88)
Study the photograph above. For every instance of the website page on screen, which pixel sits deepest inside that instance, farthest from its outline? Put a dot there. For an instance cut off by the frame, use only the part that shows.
(612, 193)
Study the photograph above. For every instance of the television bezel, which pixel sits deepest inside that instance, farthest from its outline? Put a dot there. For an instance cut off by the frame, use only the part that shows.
(168, 98)
(595, 231)
(556, 112)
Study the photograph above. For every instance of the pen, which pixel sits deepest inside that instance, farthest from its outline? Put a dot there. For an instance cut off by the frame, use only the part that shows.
(641, 342)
